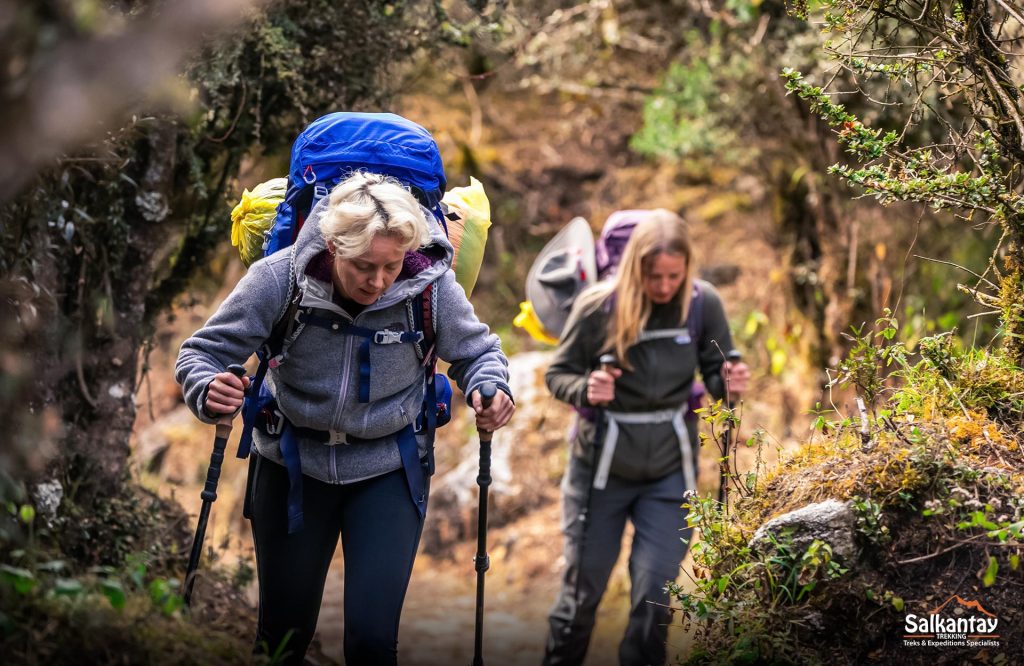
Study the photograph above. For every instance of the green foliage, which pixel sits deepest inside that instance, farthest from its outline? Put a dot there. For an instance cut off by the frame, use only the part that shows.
(41, 570)
(870, 521)
(943, 475)
(677, 118)
(55, 609)
(859, 139)
(957, 96)
(739, 589)
(52, 580)
(21, 580)
(243, 575)
(722, 425)
(868, 357)
(705, 105)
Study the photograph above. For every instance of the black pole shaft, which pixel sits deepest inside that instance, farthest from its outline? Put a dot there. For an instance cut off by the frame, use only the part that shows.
(482, 561)
(728, 451)
(607, 363)
(216, 458)
(209, 494)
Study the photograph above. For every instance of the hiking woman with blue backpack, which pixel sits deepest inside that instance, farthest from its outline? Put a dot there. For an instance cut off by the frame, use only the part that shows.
(634, 451)
(344, 422)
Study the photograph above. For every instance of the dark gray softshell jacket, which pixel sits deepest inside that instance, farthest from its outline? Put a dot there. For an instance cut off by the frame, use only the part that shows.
(662, 377)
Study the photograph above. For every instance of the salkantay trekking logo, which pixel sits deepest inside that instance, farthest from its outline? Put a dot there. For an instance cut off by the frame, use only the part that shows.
(963, 624)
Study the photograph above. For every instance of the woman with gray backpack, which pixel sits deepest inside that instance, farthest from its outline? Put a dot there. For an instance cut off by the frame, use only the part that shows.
(626, 361)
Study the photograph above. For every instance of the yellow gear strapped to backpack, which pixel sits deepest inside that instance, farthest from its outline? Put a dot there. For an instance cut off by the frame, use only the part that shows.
(253, 217)
(469, 218)
(528, 321)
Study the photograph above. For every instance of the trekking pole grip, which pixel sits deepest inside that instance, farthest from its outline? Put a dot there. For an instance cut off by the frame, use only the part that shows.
(733, 356)
(483, 479)
(487, 393)
(220, 442)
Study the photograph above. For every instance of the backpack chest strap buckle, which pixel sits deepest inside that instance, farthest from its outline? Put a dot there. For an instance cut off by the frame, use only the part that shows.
(397, 337)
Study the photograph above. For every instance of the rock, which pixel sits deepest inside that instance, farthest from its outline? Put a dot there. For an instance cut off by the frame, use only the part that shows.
(830, 521)
(720, 275)
(47, 496)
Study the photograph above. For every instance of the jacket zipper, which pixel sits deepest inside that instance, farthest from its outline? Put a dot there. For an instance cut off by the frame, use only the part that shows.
(343, 393)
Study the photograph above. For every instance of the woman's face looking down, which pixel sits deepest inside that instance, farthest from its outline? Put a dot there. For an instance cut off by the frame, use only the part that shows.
(664, 274)
(365, 278)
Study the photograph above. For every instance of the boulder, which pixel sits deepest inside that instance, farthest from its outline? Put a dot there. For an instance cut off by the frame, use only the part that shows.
(831, 521)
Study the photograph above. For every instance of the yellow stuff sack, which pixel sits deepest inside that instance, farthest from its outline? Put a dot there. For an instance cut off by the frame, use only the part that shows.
(468, 232)
(528, 321)
(253, 217)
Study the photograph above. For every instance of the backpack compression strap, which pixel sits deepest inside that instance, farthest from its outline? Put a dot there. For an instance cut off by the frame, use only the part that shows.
(423, 317)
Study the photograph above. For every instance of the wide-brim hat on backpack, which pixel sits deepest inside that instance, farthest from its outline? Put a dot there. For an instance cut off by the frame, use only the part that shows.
(563, 269)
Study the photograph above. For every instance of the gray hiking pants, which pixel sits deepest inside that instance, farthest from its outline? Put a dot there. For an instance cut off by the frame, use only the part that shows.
(657, 551)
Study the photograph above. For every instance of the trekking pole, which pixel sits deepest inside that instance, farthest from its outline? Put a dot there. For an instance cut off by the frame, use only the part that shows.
(733, 356)
(209, 493)
(607, 362)
(482, 561)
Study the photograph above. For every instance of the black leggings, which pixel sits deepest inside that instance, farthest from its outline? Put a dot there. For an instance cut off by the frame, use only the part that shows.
(379, 528)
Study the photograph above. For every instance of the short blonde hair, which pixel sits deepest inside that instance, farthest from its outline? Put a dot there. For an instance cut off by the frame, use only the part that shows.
(366, 205)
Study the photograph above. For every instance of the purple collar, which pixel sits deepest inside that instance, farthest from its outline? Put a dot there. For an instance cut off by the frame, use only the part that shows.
(321, 266)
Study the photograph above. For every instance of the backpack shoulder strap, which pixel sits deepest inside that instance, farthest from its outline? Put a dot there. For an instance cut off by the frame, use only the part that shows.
(270, 353)
(283, 332)
(695, 318)
(429, 336)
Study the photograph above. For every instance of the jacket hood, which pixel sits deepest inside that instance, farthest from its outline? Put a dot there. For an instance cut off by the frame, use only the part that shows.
(421, 266)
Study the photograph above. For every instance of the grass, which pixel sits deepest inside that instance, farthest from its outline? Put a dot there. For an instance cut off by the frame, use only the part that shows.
(933, 472)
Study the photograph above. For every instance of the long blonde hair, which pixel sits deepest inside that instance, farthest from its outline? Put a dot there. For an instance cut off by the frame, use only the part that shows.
(663, 232)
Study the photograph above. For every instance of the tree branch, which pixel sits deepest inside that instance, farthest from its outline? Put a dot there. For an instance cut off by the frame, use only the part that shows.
(87, 85)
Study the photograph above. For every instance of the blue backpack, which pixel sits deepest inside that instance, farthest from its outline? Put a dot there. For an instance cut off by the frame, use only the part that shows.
(334, 146)
(330, 149)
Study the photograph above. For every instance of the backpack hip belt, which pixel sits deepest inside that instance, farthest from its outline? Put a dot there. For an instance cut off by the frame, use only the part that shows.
(673, 416)
(272, 423)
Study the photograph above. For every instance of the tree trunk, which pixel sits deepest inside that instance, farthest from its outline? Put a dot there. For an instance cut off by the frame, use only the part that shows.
(811, 231)
(1011, 291)
(102, 322)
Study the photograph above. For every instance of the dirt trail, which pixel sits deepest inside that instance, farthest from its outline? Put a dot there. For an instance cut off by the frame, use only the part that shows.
(439, 614)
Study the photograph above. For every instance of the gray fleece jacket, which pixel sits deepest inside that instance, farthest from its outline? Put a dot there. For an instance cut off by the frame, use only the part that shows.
(317, 384)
